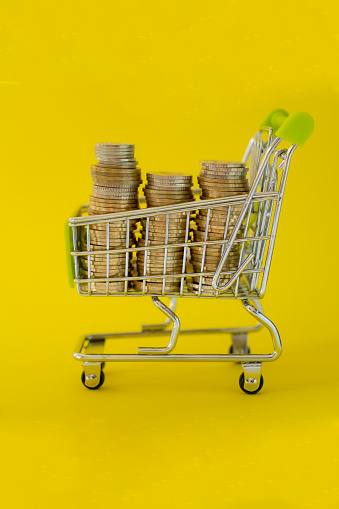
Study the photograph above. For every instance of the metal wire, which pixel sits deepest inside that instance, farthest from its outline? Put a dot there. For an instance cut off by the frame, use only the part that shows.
(265, 203)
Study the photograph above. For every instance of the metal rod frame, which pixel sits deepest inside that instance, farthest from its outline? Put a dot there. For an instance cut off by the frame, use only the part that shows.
(163, 354)
(249, 280)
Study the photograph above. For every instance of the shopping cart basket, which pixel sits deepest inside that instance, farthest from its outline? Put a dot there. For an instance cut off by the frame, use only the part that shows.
(254, 233)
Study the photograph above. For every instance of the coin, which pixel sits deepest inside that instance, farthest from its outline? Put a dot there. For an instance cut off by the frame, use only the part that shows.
(211, 258)
(121, 173)
(154, 187)
(164, 188)
(220, 187)
(224, 164)
(219, 174)
(113, 190)
(225, 180)
(170, 201)
(102, 258)
(116, 235)
(169, 192)
(154, 254)
(161, 223)
(163, 175)
(113, 287)
(156, 287)
(112, 226)
(115, 163)
(113, 259)
(116, 200)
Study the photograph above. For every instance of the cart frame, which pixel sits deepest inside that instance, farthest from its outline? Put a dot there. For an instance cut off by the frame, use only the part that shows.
(264, 202)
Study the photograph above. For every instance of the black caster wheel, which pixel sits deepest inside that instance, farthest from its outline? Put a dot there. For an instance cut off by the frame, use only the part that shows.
(247, 352)
(102, 379)
(242, 384)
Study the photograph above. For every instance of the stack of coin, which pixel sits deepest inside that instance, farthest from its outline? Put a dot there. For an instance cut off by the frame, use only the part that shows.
(164, 188)
(217, 179)
(116, 180)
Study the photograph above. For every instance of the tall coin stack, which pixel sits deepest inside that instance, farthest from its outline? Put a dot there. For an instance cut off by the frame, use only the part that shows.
(164, 188)
(217, 179)
(116, 180)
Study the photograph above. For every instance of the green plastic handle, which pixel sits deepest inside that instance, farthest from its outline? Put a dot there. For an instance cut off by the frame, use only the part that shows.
(69, 257)
(295, 128)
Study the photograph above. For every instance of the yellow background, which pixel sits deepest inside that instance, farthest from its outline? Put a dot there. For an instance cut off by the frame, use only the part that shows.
(183, 81)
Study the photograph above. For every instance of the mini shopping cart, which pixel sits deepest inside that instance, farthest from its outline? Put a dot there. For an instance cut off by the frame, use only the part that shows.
(254, 231)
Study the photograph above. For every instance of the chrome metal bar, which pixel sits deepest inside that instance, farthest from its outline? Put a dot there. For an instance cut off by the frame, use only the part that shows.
(108, 255)
(248, 150)
(127, 253)
(276, 220)
(241, 218)
(89, 264)
(163, 246)
(168, 209)
(204, 249)
(188, 217)
(242, 249)
(179, 274)
(254, 311)
(263, 228)
(161, 326)
(266, 322)
(146, 255)
(165, 253)
(76, 261)
(174, 334)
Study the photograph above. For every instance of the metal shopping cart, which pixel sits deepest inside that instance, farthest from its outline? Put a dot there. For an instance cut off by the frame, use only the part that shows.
(254, 232)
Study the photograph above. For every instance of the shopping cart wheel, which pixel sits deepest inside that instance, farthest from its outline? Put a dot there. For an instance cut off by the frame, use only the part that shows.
(242, 384)
(101, 381)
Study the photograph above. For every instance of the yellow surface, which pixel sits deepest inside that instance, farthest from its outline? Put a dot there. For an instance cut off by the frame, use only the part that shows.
(183, 81)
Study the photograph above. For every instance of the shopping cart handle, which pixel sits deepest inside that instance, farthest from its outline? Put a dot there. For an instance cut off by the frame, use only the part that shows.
(295, 128)
(233, 278)
(69, 257)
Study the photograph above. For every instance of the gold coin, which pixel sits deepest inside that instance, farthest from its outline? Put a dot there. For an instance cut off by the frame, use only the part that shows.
(112, 261)
(173, 187)
(99, 247)
(113, 271)
(107, 202)
(112, 233)
(173, 217)
(114, 287)
(113, 226)
(170, 262)
(177, 224)
(96, 212)
(108, 185)
(172, 191)
(114, 258)
(171, 233)
(222, 188)
(225, 181)
(160, 256)
(216, 162)
(156, 287)
(168, 175)
(170, 201)
(117, 171)
(114, 188)
(223, 175)
(113, 199)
